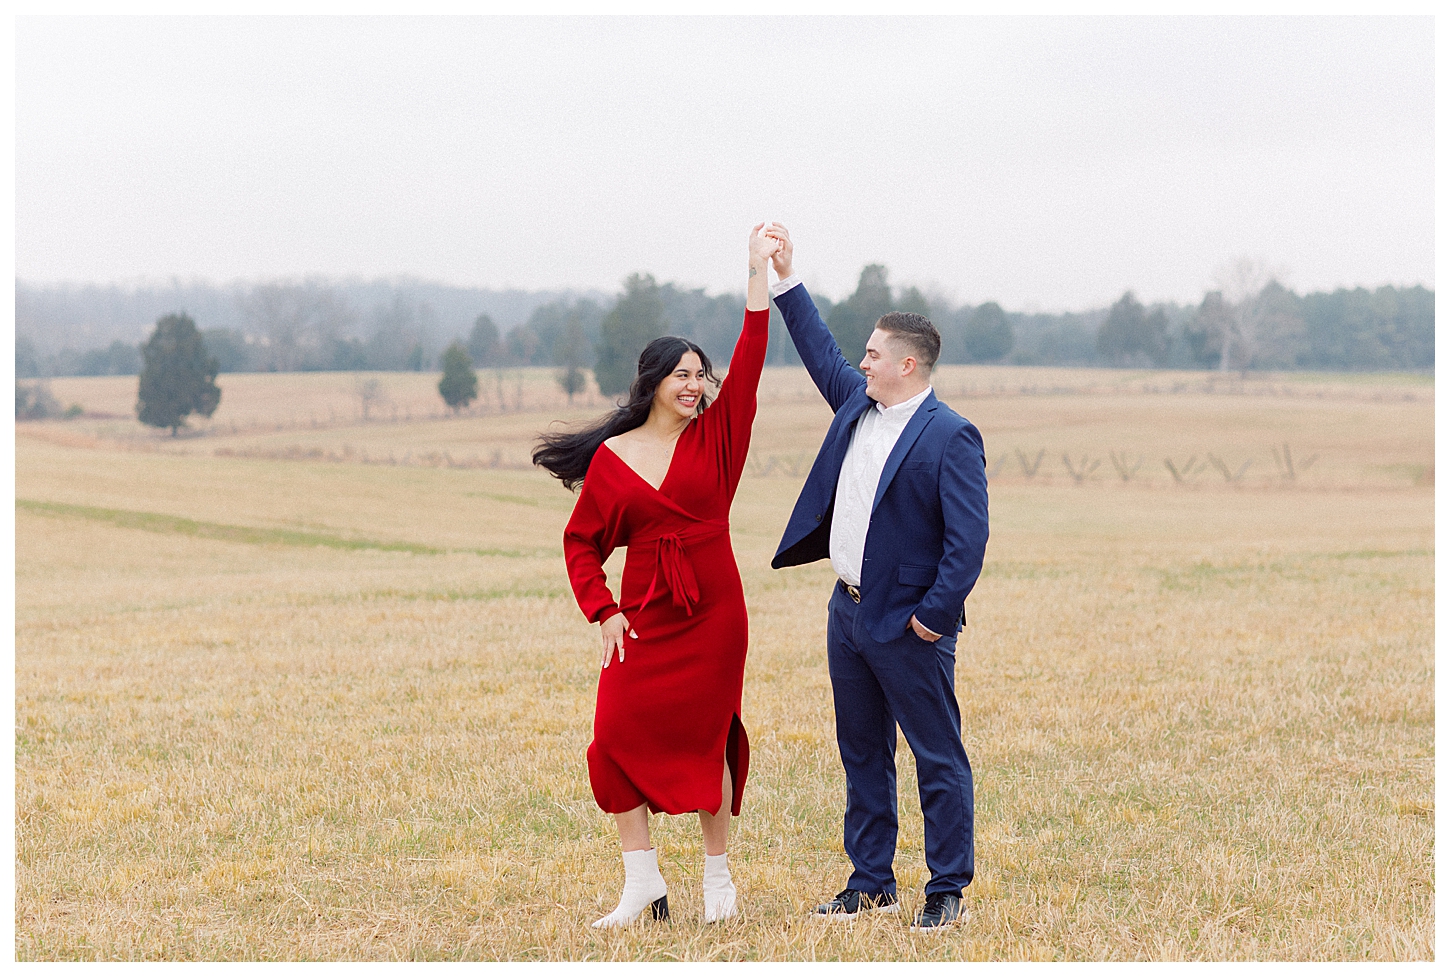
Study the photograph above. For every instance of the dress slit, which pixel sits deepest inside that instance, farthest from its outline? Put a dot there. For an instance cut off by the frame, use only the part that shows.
(737, 758)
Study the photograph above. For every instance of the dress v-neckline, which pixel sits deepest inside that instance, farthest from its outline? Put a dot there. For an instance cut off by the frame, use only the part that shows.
(668, 468)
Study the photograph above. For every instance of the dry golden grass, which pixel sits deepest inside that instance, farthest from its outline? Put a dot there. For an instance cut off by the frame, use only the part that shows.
(1201, 716)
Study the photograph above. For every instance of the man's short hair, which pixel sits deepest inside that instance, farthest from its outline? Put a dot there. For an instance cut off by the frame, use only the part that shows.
(916, 333)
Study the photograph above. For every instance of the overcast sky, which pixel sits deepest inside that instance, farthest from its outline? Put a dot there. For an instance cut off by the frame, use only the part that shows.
(1045, 163)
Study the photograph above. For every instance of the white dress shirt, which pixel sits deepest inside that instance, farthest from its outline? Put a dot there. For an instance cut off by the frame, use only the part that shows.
(784, 285)
(876, 433)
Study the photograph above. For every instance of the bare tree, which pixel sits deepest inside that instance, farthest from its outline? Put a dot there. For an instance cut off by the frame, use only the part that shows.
(1257, 325)
(1241, 284)
(369, 394)
(296, 319)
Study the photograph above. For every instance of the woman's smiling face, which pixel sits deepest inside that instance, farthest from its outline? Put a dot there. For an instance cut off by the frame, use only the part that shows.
(681, 392)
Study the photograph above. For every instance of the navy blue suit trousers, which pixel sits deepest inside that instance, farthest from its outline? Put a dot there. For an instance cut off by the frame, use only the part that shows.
(876, 686)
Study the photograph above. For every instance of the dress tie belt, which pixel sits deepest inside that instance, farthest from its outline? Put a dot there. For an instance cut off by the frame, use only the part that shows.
(672, 564)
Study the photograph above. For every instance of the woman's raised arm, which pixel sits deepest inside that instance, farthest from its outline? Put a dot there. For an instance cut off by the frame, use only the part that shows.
(729, 419)
(757, 292)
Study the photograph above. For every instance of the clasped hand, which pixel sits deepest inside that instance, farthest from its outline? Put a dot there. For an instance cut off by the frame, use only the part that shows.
(784, 252)
(762, 246)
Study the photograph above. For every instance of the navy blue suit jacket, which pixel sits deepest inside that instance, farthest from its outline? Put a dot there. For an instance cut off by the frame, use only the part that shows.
(928, 530)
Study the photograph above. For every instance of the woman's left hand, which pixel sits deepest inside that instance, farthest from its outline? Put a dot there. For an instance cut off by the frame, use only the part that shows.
(613, 631)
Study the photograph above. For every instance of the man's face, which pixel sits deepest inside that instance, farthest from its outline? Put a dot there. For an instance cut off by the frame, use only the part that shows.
(883, 366)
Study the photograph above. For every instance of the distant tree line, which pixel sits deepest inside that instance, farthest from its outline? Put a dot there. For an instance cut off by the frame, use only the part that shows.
(311, 324)
(1272, 328)
(1251, 322)
(118, 359)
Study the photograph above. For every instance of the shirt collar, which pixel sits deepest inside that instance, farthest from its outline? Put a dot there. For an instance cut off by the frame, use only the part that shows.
(907, 407)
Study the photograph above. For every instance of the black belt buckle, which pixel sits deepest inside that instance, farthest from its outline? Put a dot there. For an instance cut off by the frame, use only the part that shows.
(853, 592)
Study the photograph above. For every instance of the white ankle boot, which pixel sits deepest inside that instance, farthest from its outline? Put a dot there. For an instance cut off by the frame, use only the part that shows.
(644, 888)
(719, 889)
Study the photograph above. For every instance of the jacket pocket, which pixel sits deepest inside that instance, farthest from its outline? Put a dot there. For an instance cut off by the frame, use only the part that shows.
(912, 575)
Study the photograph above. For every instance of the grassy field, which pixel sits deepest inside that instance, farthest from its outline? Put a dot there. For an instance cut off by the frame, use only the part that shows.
(300, 685)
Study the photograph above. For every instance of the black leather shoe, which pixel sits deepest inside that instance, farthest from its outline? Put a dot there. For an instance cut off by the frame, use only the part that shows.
(942, 909)
(850, 903)
(660, 908)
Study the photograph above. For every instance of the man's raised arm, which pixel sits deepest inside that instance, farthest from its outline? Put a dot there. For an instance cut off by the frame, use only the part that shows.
(832, 373)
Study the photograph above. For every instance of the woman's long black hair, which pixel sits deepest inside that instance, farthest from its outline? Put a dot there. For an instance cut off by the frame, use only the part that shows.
(567, 454)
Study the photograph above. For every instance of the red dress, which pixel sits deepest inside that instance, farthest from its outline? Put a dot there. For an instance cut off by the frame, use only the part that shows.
(668, 714)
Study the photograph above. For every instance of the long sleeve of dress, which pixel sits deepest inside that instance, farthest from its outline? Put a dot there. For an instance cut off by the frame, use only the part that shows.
(735, 406)
(589, 538)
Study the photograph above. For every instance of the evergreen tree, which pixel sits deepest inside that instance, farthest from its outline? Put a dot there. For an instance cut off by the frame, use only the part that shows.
(912, 300)
(637, 318)
(987, 334)
(1280, 342)
(1130, 333)
(483, 342)
(852, 321)
(459, 384)
(1205, 328)
(523, 346)
(177, 376)
(569, 352)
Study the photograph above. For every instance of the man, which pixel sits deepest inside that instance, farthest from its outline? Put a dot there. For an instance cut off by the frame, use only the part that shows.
(897, 500)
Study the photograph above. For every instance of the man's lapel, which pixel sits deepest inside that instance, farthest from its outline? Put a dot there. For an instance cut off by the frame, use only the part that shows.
(909, 434)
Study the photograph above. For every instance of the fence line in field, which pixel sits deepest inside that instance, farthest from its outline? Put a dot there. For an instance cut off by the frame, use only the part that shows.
(1194, 470)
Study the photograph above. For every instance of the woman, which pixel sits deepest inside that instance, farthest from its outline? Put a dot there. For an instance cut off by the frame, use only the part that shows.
(658, 477)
